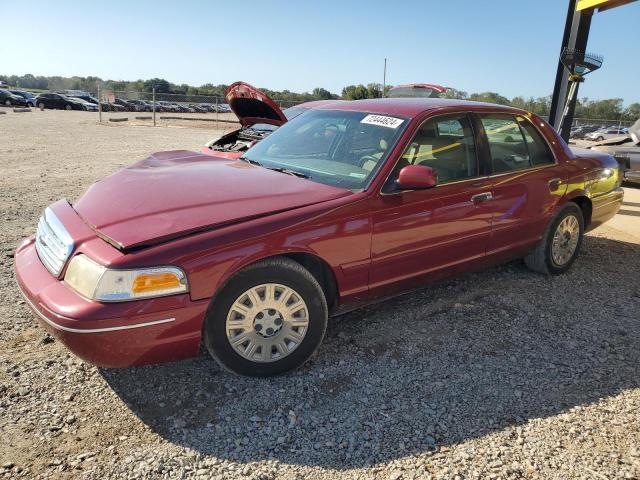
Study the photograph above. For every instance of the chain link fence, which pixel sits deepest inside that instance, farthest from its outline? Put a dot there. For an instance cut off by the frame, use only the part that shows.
(167, 107)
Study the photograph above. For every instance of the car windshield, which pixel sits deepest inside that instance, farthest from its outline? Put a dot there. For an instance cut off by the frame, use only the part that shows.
(338, 148)
(293, 112)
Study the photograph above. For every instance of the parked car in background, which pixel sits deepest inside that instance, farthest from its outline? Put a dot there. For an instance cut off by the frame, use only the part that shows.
(346, 204)
(581, 131)
(88, 106)
(10, 99)
(168, 107)
(416, 90)
(210, 107)
(198, 108)
(58, 101)
(106, 107)
(141, 105)
(625, 149)
(606, 133)
(29, 98)
(258, 115)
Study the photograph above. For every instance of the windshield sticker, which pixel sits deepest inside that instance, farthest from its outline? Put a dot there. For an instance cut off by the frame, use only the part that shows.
(382, 121)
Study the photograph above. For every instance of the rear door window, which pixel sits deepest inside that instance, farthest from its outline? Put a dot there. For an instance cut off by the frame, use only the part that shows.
(507, 145)
(539, 151)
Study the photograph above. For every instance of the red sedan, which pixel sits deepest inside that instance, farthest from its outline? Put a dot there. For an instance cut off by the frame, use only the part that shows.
(343, 205)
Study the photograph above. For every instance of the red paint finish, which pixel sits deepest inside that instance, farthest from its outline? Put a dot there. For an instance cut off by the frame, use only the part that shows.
(416, 176)
(252, 106)
(174, 193)
(212, 216)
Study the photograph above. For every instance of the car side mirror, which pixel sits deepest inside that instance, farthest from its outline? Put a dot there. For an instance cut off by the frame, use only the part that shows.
(414, 177)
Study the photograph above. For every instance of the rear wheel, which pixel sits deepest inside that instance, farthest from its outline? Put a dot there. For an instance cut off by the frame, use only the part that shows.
(41, 106)
(599, 139)
(268, 319)
(7, 102)
(68, 107)
(560, 243)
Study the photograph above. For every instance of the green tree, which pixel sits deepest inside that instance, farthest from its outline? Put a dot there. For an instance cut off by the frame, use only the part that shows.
(489, 97)
(161, 85)
(322, 94)
(455, 94)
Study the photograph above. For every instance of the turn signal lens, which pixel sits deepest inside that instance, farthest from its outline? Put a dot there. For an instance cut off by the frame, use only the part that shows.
(148, 282)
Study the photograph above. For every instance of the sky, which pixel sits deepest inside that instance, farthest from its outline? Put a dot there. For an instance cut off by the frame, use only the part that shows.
(507, 46)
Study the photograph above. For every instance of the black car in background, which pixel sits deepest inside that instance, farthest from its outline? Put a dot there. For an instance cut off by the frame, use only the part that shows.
(58, 101)
(127, 105)
(106, 107)
(7, 98)
(29, 97)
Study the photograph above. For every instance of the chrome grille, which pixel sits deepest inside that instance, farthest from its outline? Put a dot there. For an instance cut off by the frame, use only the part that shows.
(53, 242)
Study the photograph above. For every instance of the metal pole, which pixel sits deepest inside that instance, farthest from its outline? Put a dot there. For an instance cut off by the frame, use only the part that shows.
(99, 104)
(384, 77)
(154, 106)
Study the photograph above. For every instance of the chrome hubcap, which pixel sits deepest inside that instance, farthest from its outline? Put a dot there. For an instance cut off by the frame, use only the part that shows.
(267, 322)
(565, 240)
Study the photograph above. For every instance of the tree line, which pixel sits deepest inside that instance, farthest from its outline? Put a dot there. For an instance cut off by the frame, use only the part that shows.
(607, 109)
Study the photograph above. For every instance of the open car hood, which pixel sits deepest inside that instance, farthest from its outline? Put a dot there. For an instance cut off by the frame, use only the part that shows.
(252, 106)
(172, 194)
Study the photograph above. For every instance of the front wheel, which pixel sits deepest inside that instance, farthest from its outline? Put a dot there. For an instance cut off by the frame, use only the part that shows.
(68, 107)
(560, 243)
(268, 319)
(7, 102)
(599, 139)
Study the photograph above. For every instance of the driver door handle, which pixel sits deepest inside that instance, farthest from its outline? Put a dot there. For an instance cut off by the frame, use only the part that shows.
(482, 197)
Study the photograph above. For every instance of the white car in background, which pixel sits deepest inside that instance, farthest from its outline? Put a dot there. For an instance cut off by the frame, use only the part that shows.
(607, 133)
(626, 149)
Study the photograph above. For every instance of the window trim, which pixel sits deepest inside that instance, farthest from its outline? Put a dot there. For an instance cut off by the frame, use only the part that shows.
(482, 174)
(485, 144)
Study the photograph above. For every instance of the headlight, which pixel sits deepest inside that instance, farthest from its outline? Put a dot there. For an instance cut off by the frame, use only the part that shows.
(98, 282)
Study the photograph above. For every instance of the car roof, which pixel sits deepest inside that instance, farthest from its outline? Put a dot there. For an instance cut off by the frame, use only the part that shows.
(412, 107)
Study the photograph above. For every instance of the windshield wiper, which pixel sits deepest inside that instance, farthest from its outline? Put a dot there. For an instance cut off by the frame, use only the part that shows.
(276, 169)
(289, 172)
(248, 160)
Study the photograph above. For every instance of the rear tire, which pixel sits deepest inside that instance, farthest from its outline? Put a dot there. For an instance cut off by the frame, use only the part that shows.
(560, 243)
(68, 107)
(283, 320)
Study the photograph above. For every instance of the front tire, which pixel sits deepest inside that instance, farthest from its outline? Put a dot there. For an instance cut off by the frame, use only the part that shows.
(7, 102)
(599, 139)
(68, 107)
(560, 243)
(270, 318)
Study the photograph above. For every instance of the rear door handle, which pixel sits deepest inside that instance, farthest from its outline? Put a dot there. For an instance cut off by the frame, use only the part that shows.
(482, 197)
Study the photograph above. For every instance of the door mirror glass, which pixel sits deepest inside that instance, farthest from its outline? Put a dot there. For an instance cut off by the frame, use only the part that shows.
(413, 177)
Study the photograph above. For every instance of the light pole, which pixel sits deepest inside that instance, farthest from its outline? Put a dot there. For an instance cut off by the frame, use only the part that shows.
(384, 77)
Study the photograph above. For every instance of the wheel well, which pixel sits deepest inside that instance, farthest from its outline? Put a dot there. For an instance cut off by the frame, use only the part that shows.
(585, 205)
(322, 272)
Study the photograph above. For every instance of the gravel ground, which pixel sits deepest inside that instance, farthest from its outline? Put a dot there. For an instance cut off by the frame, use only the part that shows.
(500, 374)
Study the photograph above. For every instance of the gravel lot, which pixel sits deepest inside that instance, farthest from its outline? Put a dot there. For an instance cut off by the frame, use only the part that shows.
(500, 374)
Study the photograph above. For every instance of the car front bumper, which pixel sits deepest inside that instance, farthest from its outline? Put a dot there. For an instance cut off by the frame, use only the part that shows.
(110, 334)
